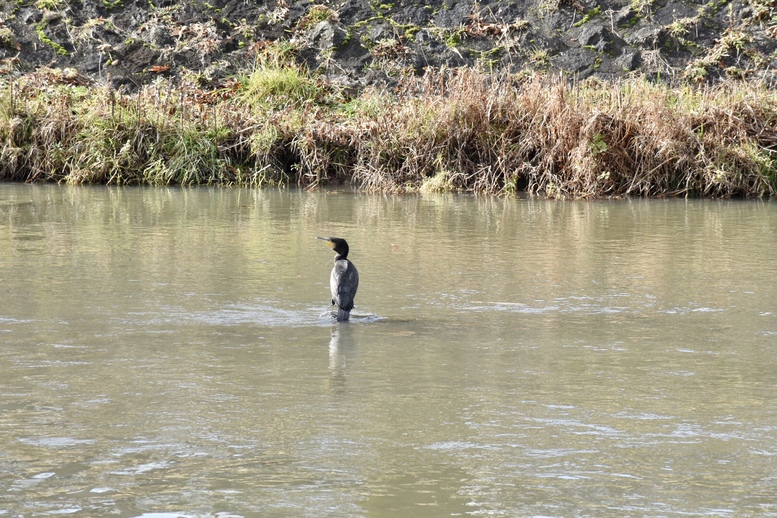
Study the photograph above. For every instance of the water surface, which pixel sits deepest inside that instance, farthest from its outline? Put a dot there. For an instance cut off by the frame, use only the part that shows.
(167, 352)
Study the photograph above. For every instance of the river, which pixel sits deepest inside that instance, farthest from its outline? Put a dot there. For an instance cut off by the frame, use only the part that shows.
(169, 353)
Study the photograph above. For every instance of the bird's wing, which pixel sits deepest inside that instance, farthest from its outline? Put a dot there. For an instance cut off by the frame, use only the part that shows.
(350, 283)
(344, 282)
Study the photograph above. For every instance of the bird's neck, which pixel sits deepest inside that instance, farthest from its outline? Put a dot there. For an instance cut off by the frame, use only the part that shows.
(340, 257)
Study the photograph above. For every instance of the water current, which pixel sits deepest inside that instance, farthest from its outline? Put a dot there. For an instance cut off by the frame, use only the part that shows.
(169, 353)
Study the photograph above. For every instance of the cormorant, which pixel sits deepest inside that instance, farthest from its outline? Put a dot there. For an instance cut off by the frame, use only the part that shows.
(344, 279)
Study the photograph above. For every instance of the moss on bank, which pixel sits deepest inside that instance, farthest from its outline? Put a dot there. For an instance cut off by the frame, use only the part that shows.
(449, 130)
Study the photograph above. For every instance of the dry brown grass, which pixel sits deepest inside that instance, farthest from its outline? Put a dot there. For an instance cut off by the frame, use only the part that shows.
(493, 134)
(460, 130)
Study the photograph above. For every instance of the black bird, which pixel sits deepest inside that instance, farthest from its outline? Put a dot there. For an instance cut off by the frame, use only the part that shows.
(344, 280)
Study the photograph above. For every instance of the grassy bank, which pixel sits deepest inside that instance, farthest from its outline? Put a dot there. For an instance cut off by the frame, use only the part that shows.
(450, 130)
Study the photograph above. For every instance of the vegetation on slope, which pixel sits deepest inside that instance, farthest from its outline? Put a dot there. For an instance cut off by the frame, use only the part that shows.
(451, 129)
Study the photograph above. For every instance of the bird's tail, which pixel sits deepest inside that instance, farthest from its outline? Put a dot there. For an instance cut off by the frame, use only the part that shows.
(342, 315)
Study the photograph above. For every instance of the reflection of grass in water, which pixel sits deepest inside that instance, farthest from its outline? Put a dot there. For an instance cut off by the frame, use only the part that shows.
(449, 130)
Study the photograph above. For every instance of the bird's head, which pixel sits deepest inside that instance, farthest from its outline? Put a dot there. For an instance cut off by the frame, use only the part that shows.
(340, 246)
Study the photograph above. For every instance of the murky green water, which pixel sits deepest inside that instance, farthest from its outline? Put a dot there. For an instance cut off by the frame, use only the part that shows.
(167, 353)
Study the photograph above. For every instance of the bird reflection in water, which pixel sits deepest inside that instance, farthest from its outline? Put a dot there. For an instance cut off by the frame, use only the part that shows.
(341, 350)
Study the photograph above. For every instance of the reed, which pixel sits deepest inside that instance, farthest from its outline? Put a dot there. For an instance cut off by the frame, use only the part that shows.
(493, 134)
(450, 130)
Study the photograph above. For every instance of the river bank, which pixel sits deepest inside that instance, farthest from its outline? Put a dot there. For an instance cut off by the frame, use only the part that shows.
(561, 99)
(357, 43)
(452, 129)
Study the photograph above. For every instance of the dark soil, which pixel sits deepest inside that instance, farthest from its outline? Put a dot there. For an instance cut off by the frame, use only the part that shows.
(359, 42)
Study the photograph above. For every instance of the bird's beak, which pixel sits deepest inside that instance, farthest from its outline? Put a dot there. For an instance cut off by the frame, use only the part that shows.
(329, 241)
